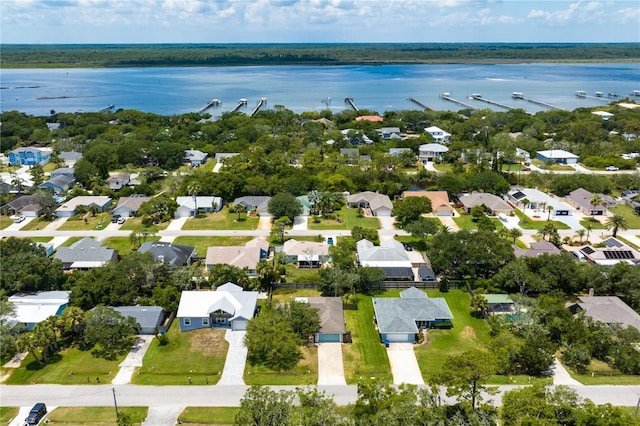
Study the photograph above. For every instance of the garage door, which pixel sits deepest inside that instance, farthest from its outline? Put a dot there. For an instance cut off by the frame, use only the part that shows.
(329, 338)
(397, 337)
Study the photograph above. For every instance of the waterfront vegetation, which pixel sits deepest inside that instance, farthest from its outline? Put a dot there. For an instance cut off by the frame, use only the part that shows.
(141, 55)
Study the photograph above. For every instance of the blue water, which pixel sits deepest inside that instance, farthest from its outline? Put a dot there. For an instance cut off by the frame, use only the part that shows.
(380, 88)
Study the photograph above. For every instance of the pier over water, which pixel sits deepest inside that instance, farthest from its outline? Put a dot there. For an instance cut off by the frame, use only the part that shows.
(417, 102)
(351, 103)
(520, 95)
(447, 97)
(478, 97)
(262, 102)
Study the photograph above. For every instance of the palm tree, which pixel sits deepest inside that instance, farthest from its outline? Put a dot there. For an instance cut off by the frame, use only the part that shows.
(238, 208)
(193, 189)
(595, 200)
(525, 204)
(589, 228)
(314, 199)
(580, 233)
(549, 209)
(615, 223)
(515, 233)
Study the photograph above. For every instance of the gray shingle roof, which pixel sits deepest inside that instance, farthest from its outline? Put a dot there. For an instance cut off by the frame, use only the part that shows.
(173, 254)
(145, 316)
(399, 315)
(85, 250)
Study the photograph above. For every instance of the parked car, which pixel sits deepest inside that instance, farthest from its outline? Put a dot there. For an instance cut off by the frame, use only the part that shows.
(526, 169)
(121, 220)
(114, 218)
(611, 168)
(18, 219)
(36, 414)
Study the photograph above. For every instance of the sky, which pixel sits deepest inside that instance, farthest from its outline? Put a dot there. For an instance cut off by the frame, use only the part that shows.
(317, 21)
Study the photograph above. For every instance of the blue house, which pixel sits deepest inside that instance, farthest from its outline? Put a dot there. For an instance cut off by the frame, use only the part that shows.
(58, 184)
(399, 320)
(29, 156)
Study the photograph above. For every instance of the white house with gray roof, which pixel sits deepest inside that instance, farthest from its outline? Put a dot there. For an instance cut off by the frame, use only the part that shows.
(390, 256)
(191, 206)
(492, 203)
(70, 208)
(400, 319)
(229, 306)
(259, 203)
(379, 204)
(128, 206)
(431, 151)
(195, 157)
(607, 309)
(85, 254)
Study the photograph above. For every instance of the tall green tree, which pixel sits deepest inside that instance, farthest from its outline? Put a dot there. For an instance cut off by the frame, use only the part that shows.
(261, 406)
(284, 204)
(410, 209)
(616, 223)
(108, 332)
(262, 331)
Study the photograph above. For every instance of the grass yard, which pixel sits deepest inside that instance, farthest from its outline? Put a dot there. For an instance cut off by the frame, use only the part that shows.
(632, 219)
(199, 354)
(69, 241)
(5, 221)
(78, 223)
(209, 415)
(94, 416)
(123, 244)
(595, 224)
(135, 223)
(465, 221)
(600, 373)
(443, 167)
(7, 414)
(348, 220)
(365, 358)
(512, 167)
(70, 366)
(202, 243)
(284, 295)
(36, 224)
(41, 239)
(629, 243)
(305, 373)
(527, 223)
(301, 275)
(416, 243)
(221, 220)
(467, 333)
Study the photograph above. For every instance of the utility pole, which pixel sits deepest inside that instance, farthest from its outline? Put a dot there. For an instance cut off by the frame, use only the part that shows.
(115, 403)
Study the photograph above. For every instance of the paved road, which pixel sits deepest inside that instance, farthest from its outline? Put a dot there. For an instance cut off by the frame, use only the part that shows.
(229, 396)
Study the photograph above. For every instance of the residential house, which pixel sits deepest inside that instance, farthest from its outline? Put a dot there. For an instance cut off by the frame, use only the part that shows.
(220, 157)
(390, 256)
(609, 310)
(372, 118)
(191, 206)
(431, 152)
(173, 255)
(70, 208)
(306, 254)
(59, 184)
(493, 204)
(440, 204)
(523, 156)
(32, 308)
(438, 135)
(388, 133)
(614, 252)
(229, 306)
(538, 202)
(117, 181)
(500, 304)
(47, 247)
(580, 199)
(258, 203)
(537, 248)
(30, 156)
(85, 254)
(559, 156)
(603, 114)
(331, 313)
(244, 257)
(128, 206)
(70, 158)
(194, 157)
(149, 318)
(401, 319)
(24, 205)
(63, 171)
(379, 204)
(396, 152)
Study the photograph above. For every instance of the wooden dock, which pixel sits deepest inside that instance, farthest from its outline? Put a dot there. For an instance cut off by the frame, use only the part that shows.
(489, 101)
(212, 103)
(262, 102)
(241, 103)
(417, 102)
(447, 97)
(350, 102)
(520, 95)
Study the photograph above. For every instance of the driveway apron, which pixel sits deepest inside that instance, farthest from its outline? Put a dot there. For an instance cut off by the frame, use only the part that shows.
(404, 365)
(162, 416)
(236, 359)
(330, 366)
(133, 360)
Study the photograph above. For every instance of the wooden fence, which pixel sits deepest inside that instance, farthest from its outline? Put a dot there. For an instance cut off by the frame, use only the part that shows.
(387, 285)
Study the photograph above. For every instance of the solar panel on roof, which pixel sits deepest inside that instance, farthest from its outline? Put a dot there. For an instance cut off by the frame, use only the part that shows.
(518, 195)
(618, 254)
(612, 242)
(588, 250)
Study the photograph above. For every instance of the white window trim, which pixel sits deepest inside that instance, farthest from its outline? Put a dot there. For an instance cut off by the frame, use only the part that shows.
(205, 321)
(186, 321)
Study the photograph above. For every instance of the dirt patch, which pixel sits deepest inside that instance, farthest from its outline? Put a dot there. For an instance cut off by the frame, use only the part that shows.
(468, 333)
(208, 342)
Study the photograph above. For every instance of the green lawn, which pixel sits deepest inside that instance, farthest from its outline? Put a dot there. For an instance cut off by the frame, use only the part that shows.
(5, 221)
(348, 219)
(633, 220)
(526, 223)
(443, 167)
(41, 239)
(69, 241)
(512, 167)
(629, 243)
(416, 243)
(301, 275)
(134, 223)
(36, 224)
(202, 243)
(209, 415)
(305, 373)
(69, 367)
(94, 416)
(86, 222)
(599, 373)
(284, 295)
(365, 358)
(199, 354)
(467, 333)
(595, 224)
(465, 221)
(7, 414)
(222, 220)
(123, 244)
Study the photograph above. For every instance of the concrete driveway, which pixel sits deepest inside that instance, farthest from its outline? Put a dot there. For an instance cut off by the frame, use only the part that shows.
(133, 360)
(330, 366)
(162, 416)
(18, 420)
(236, 359)
(404, 365)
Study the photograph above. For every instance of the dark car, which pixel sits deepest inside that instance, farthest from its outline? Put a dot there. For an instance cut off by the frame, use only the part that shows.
(36, 414)
(115, 218)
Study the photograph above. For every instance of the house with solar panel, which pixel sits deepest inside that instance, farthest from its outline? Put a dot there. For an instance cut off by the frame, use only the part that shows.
(614, 252)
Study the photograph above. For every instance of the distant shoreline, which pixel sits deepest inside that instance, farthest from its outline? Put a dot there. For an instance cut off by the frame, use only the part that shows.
(17, 56)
